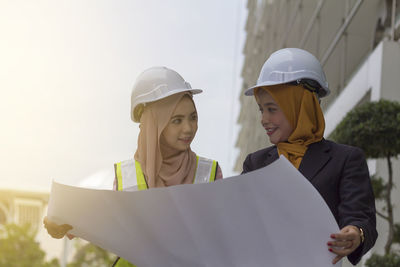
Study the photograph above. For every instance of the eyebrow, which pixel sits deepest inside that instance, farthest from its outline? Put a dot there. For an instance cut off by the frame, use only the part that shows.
(268, 104)
(182, 116)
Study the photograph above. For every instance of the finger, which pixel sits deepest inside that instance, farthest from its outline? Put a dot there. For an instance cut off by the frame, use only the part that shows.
(336, 259)
(45, 221)
(345, 230)
(350, 245)
(61, 230)
(66, 227)
(70, 236)
(57, 235)
(55, 230)
(344, 244)
(340, 251)
(342, 231)
(56, 227)
(344, 236)
(49, 224)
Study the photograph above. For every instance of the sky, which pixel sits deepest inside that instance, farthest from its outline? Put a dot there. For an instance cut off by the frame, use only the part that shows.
(67, 68)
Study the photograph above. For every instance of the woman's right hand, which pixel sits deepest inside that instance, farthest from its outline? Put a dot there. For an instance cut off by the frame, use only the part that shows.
(56, 230)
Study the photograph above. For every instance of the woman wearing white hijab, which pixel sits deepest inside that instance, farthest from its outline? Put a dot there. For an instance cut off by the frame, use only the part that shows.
(162, 103)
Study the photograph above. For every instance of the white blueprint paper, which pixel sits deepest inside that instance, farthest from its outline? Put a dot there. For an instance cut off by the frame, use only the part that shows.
(270, 217)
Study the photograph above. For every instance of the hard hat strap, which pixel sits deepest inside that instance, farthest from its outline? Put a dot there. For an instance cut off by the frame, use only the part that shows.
(310, 85)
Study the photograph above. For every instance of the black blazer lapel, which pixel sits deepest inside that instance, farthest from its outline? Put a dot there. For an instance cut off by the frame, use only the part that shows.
(272, 155)
(314, 159)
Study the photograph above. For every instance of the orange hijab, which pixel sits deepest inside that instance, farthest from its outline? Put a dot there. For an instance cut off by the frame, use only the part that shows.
(302, 110)
(162, 165)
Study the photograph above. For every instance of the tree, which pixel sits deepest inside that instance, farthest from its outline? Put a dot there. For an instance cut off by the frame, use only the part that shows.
(18, 248)
(89, 255)
(375, 127)
(388, 260)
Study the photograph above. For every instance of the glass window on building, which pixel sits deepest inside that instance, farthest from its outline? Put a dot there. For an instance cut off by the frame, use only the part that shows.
(28, 211)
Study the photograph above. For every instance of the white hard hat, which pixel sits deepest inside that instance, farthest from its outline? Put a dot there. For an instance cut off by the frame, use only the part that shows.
(292, 65)
(154, 84)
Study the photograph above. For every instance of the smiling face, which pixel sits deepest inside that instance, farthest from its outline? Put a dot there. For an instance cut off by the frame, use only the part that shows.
(182, 126)
(273, 119)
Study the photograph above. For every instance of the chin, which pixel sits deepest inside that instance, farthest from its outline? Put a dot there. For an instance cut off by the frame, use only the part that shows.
(273, 142)
(182, 148)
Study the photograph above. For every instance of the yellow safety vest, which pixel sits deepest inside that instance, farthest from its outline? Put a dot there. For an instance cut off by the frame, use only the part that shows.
(130, 177)
(129, 174)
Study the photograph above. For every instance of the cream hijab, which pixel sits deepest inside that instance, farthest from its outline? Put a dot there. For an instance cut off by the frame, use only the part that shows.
(163, 165)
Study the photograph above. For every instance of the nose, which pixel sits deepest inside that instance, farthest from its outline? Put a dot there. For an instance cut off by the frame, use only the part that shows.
(188, 127)
(264, 118)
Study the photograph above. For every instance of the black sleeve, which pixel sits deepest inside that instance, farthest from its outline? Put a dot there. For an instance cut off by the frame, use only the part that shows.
(357, 202)
(247, 165)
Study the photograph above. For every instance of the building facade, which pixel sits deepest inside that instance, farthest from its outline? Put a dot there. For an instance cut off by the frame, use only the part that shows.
(22, 207)
(357, 43)
(27, 207)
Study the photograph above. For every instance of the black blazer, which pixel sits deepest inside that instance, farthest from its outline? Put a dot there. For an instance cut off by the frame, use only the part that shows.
(340, 174)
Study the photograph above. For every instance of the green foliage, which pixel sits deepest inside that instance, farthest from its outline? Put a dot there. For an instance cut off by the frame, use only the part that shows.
(374, 127)
(89, 255)
(389, 260)
(379, 187)
(124, 263)
(18, 248)
(396, 236)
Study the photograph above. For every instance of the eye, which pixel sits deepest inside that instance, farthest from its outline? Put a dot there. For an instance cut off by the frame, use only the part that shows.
(272, 110)
(194, 117)
(261, 110)
(176, 121)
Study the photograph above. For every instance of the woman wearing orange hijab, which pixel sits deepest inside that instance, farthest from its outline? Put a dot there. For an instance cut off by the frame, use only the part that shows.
(287, 93)
(162, 102)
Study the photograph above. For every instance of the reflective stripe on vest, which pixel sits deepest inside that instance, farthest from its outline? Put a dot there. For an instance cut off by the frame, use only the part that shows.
(130, 176)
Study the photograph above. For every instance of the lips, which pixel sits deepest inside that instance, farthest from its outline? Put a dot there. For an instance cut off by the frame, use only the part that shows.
(185, 139)
(270, 131)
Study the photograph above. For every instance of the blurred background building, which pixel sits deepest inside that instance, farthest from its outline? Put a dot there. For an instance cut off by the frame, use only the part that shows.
(22, 207)
(29, 207)
(357, 43)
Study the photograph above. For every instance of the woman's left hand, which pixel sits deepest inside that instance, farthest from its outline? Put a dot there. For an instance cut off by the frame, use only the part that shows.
(345, 242)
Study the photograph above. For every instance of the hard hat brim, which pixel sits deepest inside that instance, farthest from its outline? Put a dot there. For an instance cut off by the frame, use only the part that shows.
(149, 98)
(250, 91)
(288, 65)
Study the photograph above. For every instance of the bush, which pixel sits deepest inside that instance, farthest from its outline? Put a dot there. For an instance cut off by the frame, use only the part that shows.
(18, 248)
(389, 260)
